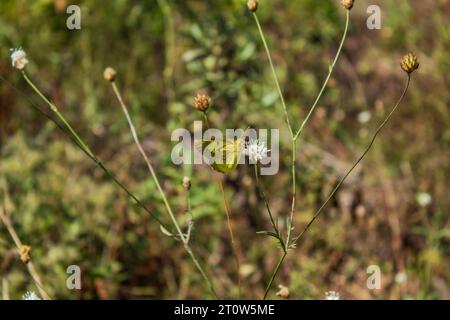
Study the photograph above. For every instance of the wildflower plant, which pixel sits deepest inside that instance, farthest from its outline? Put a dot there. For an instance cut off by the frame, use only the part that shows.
(409, 64)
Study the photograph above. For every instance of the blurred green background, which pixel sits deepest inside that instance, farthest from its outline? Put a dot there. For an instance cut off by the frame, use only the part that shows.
(393, 212)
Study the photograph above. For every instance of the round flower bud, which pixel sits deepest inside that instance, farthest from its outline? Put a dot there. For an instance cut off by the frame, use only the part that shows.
(409, 63)
(252, 5)
(110, 74)
(24, 251)
(347, 4)
(187, 183)
(202, 102)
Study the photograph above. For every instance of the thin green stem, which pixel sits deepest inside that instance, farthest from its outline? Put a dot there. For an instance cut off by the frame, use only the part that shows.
(56, 111)
(205, 117)
(322, 90)
(274, 274)
(294, 192)
(274, 73)
(67, 128)
(296, 136)
(191, 216)
(316, 215)
(288, 123)
(147, 161)
(169, 35)
(232, 238)
(266, 202)
(333, 192)
(160, 190)
(228, 214)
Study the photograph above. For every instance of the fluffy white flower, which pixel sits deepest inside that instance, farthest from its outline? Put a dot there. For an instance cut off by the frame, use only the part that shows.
(332, 295)
(30, 295)
(18, 58)
(364, 117)
(256, 151)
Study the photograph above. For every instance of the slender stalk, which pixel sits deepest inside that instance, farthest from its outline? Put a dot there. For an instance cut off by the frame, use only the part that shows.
(30, 266)
(232, 239)
(286, 115)
(336, 188)
(229, 226)
(294, 192)
(305, 121)
(266, 202)
(169, 35)
(327, 79)
(79, 142)
(205, 117)
(191, 216)
(274, 73)
(5, 289)
(160, 190)
(56, 111)
(67, 128)
(333, 192)
(293, 147)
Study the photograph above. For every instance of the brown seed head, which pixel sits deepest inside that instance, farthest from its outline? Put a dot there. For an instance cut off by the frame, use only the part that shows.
(202, 102)
(24, 251)
(110, 74)
(348, 4)
(409, 63)
(252, 5)
(187, 183)
(283, 292)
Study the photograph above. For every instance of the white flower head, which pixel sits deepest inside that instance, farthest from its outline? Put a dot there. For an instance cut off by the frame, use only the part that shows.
(18, 58)
(256, 151)
(364, 117)
(30, 295)
(332, 295)
(401, 277)
(423, 199)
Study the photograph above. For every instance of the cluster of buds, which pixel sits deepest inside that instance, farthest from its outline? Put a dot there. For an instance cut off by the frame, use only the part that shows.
(202, 102)
(409, 63)
(348, 4)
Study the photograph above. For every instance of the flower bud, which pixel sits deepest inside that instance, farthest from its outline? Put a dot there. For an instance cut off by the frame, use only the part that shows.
(347, 4)
(252, 5)
(283, 292)
(24, 251)
(109, 74)
(409, 63)
(187, 183)
(202, 102)
(18, 58)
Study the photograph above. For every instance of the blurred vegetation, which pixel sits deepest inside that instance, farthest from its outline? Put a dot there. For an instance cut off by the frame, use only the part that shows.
(165, 51)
